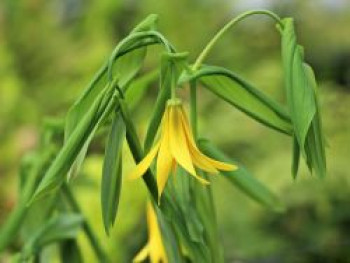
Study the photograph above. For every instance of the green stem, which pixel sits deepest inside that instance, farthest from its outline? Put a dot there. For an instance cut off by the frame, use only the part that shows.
(101, 255)
(204, 196)
(173, 84)
(193, 108)
(223, 30)
(136, 148)
(138, 37)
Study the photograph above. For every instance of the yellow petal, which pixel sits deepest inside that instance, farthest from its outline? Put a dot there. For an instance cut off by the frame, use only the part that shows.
(157, 250)
(202, 161)
(142, 166)
(142, 255)
(221, 165)
(164, 160)
(197, 156)
(178, 142)
(187, 129)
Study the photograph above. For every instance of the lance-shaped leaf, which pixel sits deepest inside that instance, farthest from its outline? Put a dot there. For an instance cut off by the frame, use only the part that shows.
(61, 227)
(129, 61)
(301, 89)
(126, 68)
(172, 65)
(300, 94)
(112, 172)
(242, 179)
(56, 173)
(244, 96)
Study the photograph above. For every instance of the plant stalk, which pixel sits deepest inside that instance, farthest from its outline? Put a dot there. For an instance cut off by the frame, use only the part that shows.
(136, 148)
(193, 108)
(223, 30)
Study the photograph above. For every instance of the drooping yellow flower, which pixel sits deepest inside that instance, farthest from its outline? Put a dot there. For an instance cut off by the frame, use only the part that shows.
(177, 146)
(154, 249)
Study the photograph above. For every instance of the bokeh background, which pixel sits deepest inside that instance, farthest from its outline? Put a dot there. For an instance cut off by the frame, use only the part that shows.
(50, 49)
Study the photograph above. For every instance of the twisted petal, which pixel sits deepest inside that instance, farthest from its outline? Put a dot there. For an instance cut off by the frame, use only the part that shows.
(164, 160)
(178, 143)
(202, 161)
(142, 166)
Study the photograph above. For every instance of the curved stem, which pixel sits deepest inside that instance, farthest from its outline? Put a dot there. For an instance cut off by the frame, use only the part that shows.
(173, 85)
(139, 36)
(136, 148)
(230, 24)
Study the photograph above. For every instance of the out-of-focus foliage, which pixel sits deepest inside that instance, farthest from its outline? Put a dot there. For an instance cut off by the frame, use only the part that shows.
(49, 51)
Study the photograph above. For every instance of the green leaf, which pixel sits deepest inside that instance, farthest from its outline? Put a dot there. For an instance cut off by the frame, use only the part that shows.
(126, 67)
(148, 24)
(300, 94)
(302, 100)
(112, 172)
(244, 96)
(61, 227)
(57, 171)
(128, 63)
(126, 70)
(172, 65)
(242, 179)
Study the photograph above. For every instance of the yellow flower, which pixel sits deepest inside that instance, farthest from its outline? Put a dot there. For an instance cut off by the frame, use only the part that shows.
(154, 249)
(177, 146)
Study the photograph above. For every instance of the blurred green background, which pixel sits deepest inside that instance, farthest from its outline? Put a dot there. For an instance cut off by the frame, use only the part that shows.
(50, 49)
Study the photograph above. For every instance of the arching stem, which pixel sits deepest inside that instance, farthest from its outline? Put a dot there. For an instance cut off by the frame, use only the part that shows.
(223, 30)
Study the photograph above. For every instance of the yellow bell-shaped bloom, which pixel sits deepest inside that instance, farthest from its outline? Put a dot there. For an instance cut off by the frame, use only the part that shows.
(177, 146)
(154, 249)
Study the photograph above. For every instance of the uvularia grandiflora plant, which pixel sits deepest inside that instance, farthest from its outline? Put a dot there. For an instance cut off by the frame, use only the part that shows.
(181, 217)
